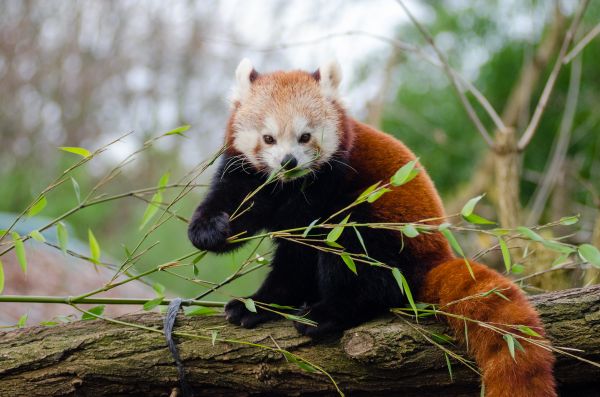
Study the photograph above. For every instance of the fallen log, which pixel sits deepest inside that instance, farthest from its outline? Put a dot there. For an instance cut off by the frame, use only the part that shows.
(384, 357)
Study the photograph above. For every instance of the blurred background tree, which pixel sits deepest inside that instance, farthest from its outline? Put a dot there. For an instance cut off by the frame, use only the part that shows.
(83, 73)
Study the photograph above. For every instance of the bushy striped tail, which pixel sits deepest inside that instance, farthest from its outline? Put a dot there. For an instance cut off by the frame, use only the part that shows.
(529, 373)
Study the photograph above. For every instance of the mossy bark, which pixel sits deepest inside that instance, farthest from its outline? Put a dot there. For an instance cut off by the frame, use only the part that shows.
(381, 358)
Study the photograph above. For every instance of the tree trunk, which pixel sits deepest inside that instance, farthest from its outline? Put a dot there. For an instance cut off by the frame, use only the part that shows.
(381, 358)
(508, 173)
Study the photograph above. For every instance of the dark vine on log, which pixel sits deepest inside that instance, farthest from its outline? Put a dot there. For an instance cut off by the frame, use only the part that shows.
(384, 357)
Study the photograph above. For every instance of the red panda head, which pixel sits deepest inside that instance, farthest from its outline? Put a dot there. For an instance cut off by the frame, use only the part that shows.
(287, 119)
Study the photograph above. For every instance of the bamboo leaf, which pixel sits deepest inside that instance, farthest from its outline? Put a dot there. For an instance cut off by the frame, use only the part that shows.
(405, 174)
(470, 206)
(398, 276)
(38, 206)
(528, 331)
(360, 240)
(449, 366)
(179, 130)
(368, 191)
(349, 262)
(336, 232)
(94, 247)
(510, 341)
(213, 336)
(517, 268)
(309, 228)
(409, 231)
(505, 254)
(97, 310)
(37, 236)
(76, 189)
(22, 321)
(62, 236)
(530, 234)
(301, 364)
(76, 150)
(590, 254)
(151, 209)
(151, 304)
(569, 220)
(377, 194)
(201, 311)
(249, 303)
(20, 251)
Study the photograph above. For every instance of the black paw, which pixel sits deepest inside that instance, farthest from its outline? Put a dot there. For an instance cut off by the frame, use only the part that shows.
(210, 233)
(326, 325)
(236, 313)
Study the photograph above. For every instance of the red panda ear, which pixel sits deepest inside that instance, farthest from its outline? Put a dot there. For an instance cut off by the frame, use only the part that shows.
(329, 76)
(245, 75)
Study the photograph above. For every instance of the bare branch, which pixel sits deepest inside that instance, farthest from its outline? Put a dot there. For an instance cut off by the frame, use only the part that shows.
(581, 45)
(556, 161)
(465, 102)
(541, 106)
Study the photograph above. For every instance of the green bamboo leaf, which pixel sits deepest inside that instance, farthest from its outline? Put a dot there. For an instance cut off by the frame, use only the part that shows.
(510, 341)
(368, 191)
(405, 174)
(309, 228)
(213, 336)
(76, 150)
(530, 234)
(377, 194)
(20, 251)
(528, 331)
(76, 189)
(349, 262)
(37, 236)
(517, 268)
(470, 206)
(97, 310)
(408, 294)
(94, 247)
(159, 289)
(449, 366)
(443, 228)
(62, 236)
(22, 321)
(590, 254)
(164, 180)
(301, 364)
(334, 244)
(336, 232)
(398, 276)
(1, 277)
(249, 303)
(179, 130)
(505, 254)
(569, 220)
(201, 311)
(151, 209)
(409, 231)
(478, 220)
(38, 206)
(151, 304)
(360, 240)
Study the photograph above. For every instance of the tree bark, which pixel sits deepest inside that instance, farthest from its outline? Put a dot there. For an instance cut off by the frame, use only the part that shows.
(381, 358)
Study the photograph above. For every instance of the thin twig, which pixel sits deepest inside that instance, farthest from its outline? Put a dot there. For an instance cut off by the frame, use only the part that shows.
(543, 101)
(581, 45)
(465, 102)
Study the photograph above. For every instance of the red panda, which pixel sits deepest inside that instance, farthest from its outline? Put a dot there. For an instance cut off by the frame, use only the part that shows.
(296, 121)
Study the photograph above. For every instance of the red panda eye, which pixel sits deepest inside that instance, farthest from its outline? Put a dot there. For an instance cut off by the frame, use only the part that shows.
(269, 140)
(304, 137)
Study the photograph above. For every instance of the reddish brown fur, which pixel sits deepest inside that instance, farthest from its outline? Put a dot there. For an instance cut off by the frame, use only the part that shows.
(377, 156)
(530, 374)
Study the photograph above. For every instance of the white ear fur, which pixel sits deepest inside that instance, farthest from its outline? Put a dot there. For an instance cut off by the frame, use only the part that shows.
(330, 74)
(243, 77)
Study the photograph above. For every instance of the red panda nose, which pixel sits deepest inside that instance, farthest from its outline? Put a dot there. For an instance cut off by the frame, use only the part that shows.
(289, 162)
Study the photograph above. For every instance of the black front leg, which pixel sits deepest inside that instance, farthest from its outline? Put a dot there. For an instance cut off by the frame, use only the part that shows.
(211, 223)
(291, 282)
